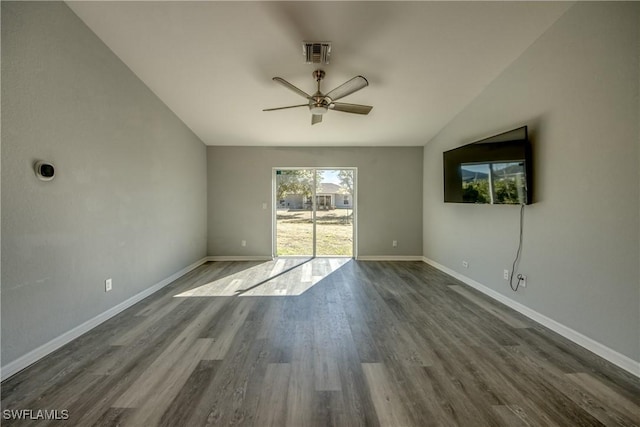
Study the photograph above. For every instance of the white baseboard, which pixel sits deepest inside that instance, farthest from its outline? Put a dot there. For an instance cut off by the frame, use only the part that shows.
(359, 258)
(389, 258)
(240, 258)
(34, 355)
(601, 350)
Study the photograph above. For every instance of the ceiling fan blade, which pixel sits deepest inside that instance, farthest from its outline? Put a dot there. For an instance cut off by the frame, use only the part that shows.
(348, 88)
(286, 84)
(284, 108)
(316, 118)
(350, 108)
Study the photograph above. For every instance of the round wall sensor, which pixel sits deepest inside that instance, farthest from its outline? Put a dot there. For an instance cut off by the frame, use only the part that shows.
(45, 170)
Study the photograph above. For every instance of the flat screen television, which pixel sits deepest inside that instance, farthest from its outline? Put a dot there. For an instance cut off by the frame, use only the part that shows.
(495, 170)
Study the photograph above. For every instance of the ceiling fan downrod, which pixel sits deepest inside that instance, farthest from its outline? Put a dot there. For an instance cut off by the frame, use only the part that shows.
(318, 103)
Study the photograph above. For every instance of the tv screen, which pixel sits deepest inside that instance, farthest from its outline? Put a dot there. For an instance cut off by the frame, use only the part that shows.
(495, 170)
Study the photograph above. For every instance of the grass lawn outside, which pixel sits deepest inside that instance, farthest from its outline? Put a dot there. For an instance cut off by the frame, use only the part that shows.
(334, 232)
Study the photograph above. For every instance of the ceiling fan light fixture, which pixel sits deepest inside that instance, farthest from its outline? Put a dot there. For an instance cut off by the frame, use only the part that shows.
(318, 109)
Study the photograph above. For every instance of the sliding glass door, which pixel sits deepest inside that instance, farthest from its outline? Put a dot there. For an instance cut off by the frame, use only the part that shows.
(334, 212)
(314, 211)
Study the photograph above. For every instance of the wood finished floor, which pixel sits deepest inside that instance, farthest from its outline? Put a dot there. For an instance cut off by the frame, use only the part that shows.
(323, 342)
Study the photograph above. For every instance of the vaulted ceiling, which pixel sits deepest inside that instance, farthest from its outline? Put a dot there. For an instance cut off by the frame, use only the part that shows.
(212, 63)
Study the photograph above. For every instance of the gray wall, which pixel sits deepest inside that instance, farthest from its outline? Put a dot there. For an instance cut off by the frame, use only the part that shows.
(389, 196)
(577, 88)
(129, 199)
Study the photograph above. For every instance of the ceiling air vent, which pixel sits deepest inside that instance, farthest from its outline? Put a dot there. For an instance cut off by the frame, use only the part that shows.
(316, 52)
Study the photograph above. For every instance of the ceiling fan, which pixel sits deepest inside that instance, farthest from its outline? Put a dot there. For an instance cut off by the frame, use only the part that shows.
(320, 103)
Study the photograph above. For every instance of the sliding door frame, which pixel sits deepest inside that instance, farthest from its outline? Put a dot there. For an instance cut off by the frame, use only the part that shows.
(314, 169)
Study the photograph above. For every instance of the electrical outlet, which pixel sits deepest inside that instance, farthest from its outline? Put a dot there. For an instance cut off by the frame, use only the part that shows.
(243, 243)
(523, 281)
(394, 243)
(108, 285)
(505, 274)
(465, 264)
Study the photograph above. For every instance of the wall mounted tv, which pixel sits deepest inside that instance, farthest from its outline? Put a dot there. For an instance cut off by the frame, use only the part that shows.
(495, 170)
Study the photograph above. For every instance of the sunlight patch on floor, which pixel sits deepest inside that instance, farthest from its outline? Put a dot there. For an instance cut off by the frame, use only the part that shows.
(280, 277)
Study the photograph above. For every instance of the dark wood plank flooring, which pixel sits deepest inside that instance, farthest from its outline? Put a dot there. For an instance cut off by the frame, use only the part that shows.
(323, 342)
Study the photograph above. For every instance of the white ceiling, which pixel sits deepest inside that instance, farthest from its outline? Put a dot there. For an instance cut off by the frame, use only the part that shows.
(212, 62)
